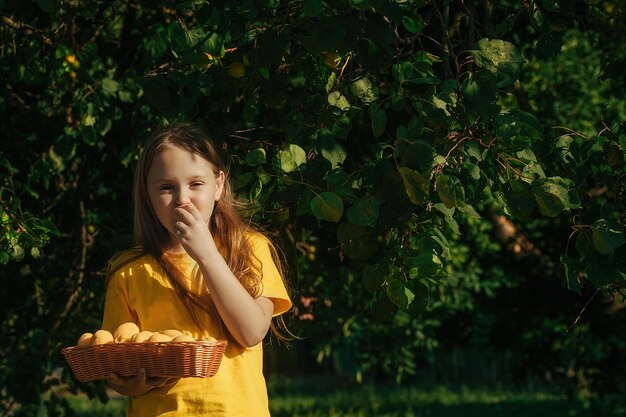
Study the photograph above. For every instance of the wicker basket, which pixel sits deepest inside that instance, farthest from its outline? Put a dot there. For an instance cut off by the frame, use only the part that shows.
(160, 359)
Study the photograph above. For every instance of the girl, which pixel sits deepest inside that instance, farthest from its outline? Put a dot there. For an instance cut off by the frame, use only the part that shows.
(198, 268)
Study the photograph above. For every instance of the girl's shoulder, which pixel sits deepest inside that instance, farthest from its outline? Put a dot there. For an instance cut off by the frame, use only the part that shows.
(257, 239)
(129, 258)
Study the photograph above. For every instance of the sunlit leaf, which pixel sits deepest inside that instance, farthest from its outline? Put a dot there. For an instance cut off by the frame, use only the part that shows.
(399, 293)
(327, 206)
(415, 184)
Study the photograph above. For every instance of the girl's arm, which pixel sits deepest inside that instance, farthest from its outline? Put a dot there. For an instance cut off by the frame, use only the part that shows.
(248, 319)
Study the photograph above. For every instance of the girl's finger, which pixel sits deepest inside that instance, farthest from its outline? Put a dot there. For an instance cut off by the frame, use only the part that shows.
(113, 379)
(180, 228)
(193, 210)
(183, 214)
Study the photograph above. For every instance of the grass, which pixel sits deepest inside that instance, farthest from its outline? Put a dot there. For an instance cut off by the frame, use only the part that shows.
(333, 397)
(299, 398)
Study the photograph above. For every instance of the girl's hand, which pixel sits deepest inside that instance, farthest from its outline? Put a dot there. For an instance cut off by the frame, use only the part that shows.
(193, 232)
(138, 385)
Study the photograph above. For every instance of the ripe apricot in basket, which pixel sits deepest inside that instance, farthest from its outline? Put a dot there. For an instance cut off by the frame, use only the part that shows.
(101, 337)
(84, 339)
(160, 337)
(141, 337)
(172, 332)
(184, 338)
(125, 331)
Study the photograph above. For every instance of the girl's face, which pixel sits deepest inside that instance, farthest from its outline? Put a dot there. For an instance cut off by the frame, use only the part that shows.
(178, 178)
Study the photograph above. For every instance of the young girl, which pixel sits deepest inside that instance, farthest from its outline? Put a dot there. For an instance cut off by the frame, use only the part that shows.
(198, 268)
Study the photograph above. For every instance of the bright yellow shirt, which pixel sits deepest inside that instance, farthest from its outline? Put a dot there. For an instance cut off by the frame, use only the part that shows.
(141, 292)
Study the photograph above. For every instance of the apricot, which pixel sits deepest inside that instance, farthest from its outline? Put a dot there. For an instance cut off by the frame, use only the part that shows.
(125, 332)
(236, 70)
(172, 332)
(84, 339)
(160, 337)
(101, 337)
(141, 337)
(184, 338)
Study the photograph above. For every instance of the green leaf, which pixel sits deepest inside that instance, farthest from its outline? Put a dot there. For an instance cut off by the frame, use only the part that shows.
(255, 190)
(110, 86)
(443, 243)
(379, 119)
(500, 58)
(332, 151)
(399, 294)
(517, 129)
(156, 44)
(497, 55)
(45, 226)
(416, 185)
(426, 265)
(327, 206)
(413, 24)
(450, 190)
(338, 183)
(480, 96)
(504, 26)
(256, 157)
(374, 277)
(448, 217)
(356, 241)
(600, 270)
(555, 194)
(519, 199)
(584, 243)
(403, 71)
(291, 158)
(607, 236)
(572, 273)
(364, 212)
(330, 84)
(17, 253)
(338, 100)
(425, 259)
(4, 258)
(242, 180)
(364, 90)
(415, 154)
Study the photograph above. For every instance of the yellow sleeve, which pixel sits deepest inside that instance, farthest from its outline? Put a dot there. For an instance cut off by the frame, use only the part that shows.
(272, 285)
(117, 310)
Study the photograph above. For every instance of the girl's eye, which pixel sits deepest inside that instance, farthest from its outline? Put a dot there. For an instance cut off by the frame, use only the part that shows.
(196, 184)
(165, 187)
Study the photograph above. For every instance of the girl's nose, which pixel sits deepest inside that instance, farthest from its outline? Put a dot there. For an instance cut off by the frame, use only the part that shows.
(182, 199)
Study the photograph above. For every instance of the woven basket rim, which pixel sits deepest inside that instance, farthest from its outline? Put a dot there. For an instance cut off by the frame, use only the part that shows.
(146, 344)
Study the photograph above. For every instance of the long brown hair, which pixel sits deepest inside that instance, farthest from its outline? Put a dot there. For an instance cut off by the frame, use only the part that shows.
(226, 226)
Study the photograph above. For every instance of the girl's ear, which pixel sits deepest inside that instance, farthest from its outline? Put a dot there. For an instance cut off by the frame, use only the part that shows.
(219, 180)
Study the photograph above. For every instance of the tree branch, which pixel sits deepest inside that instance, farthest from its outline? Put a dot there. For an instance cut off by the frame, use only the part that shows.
(85, 243)
(26, 30)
